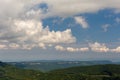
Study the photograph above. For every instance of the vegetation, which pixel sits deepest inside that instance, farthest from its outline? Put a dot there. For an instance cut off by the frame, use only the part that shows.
(98, 72)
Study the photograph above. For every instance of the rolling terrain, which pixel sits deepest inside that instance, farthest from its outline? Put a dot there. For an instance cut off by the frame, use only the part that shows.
(94, 72)
(48, 65)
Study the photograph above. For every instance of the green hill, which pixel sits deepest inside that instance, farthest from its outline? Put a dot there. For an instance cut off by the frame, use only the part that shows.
(8, 72)
(92, 70)
(98, 72)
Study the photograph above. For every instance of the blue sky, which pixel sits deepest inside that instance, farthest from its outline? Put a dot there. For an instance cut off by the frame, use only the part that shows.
(59, 30)
(95, 31)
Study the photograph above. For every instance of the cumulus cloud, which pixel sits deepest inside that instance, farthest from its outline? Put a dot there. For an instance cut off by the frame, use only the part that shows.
(101, 47)
(94, 47)
(21, 26)
(2, 46)
(71, 49)
(42, 45)
(21, 21)
(60, 48)
(14, 46)
(117, 50)
(32, 32)
(97, 47)
(81, 21)
(84, 49)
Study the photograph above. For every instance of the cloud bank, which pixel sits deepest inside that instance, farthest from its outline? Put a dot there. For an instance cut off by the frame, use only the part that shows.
(91, 47)
(21, 26)
(65, 8)
(21, 22)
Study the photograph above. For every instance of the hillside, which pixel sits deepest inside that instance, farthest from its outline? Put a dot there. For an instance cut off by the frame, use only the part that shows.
(8, 72)
(98, 72)
(92, 70)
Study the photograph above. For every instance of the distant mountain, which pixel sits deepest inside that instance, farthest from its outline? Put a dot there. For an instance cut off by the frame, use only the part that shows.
(47, 65)
(116, 62)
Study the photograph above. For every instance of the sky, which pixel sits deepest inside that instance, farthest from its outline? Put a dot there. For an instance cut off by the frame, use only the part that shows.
(59, 30)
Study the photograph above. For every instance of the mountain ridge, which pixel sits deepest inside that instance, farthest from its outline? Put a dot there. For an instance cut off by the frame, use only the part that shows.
(48, 65)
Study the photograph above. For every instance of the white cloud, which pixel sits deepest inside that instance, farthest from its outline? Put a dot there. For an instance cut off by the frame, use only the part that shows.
(42, 45)
(27, 46)
(73, 7)
(84, 49)
(59, 48)
(81, 21)
(94, 47)
(97, 47)
(105, 27)
(2, 46)
(71, 49)
(63, 8)
(32, 32)
(117, 50)
(21, 26)
(14, 46)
